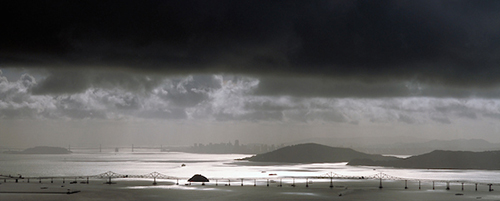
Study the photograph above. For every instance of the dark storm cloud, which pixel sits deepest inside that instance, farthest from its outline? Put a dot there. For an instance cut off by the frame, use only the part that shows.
(436, 42)
(324, 87)
(71, 81)
(311, 86)
(63, 82)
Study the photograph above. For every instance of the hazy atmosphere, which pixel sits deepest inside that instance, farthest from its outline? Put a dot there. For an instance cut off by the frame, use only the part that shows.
(181, 72)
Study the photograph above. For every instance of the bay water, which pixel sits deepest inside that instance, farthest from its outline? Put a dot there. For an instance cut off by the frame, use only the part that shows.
(185, 165)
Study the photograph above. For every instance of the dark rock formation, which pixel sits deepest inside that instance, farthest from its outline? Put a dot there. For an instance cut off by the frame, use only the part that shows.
(198, 178)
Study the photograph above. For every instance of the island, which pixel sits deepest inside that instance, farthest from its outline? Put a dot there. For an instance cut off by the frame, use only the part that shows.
(440, 159)
(41, 150)
(315, 153)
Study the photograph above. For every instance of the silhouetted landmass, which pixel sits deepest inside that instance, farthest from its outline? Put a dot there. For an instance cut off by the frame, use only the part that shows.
(314, 153)
(41, 150)
(488, 160)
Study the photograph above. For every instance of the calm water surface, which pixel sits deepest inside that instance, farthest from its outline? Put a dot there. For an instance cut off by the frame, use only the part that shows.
(82, 163)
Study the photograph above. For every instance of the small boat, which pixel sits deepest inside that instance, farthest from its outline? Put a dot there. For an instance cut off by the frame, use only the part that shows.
(273, 174)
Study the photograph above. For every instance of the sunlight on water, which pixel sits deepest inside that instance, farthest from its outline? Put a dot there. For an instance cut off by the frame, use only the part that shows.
(300, 193)
(223, 166)
(179, 188)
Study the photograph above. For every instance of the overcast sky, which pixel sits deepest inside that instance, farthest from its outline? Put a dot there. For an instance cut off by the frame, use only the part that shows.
(183, 72)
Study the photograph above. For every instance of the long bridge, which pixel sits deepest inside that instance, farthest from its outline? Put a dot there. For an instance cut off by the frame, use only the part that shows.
(330, 175)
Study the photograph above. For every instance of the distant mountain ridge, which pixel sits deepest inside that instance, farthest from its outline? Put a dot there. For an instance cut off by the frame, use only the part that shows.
(476, 145)
(404, 145)
(41, 150)
(439, 159)
(314, 153)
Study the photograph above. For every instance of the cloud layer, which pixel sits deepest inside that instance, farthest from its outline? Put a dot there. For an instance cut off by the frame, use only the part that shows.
(228, 98)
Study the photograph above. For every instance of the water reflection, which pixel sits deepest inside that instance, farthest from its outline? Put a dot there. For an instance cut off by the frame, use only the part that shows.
(300, 193)
(179, 187)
